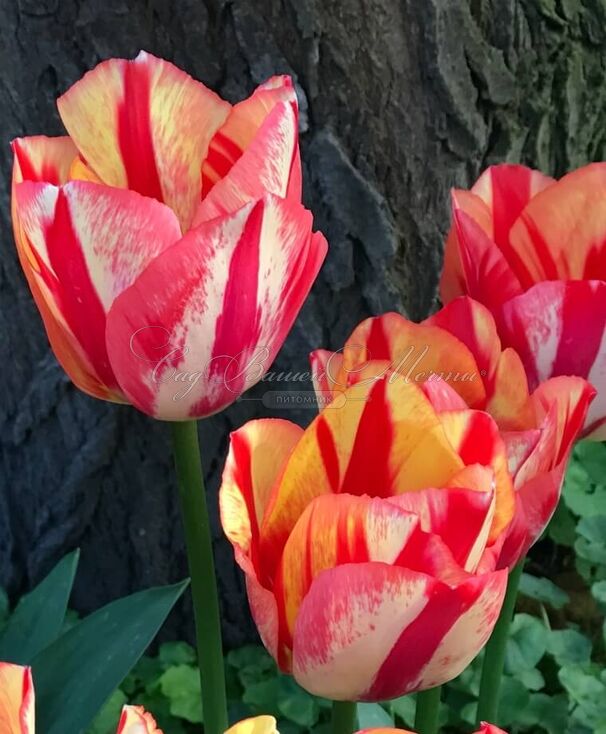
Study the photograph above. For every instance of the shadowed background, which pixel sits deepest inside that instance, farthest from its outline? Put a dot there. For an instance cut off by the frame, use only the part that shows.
(400, 101)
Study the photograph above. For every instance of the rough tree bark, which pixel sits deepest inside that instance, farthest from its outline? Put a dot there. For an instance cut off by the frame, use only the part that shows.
(401, 100)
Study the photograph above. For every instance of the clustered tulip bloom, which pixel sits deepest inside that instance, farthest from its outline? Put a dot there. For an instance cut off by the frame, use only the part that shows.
(268, 725)
(17, 706)
(369, 540)
(459, 346)
(533, 250)
(164, 240)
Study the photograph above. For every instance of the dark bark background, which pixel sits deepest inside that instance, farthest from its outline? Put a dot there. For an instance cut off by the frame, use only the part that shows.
(401, 100)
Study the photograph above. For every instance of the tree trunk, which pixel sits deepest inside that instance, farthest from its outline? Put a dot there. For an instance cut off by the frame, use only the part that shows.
(400, 100)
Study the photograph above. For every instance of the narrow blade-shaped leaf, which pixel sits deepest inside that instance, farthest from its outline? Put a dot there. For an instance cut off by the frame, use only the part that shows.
(79, 671)
(39, 616)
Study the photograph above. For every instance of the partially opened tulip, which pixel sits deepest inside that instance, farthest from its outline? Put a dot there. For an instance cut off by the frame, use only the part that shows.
(459, 347)
(164, 240)
(17, 706)
(369, 540)
(533, 250)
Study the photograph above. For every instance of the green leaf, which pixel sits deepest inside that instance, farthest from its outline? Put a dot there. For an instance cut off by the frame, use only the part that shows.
(404, 708)
(526, 645)
(38, 618)
(513, 698)
(568, 647)
(297, 705)
(373, 716)
(144, 675)
(4, 607)
(546, 712)
(580, 494)
(532, 679)
(99, 650)
(176, 653)
(592, 457)
(562, 528)
(599, 591)
(247, 655)
(588, 691)
(263, 696)
(181, 685)
(543, 590)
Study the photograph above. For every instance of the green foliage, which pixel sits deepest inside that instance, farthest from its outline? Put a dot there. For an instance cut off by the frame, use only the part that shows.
(39, 616)
(78, 664)
(101, 650)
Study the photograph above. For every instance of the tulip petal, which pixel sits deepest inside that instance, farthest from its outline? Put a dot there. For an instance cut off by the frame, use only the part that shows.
(561, 233)
(392, 422)
(475, 437)
(40, 158)
(452, 279)
(448, 634)
(506, 189)
(17, 709)
(559, 328)
(492, 205)
(135, 720)
(225, 297)
(264, 167)
(460, 517)
(489, 729)
(509, 403)
(257, 455)
(561, 406)
(144, 125)
(333, 530)
(244, 121)
(413, 352)
(371, 631)
(48, 159)
(87, 243)
(473, 324)
(487, 274)
(325, 368)
(256, 725)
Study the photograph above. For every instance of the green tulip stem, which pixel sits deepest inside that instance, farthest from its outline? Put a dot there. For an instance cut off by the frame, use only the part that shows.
(344, 717)
(428, 711)
(494, 656)
(202, 571)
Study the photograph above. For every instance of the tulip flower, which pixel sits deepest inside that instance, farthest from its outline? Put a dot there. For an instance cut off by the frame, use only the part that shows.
(460, 347)
(268, 725)
(533, 251)
(17, 706)
(163, 239)
(369, 540)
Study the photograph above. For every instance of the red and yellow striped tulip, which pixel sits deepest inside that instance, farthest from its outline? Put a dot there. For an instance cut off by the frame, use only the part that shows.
(369, 540)
(459, 348)
(164, 240)
(17, 706)
(533, 250)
